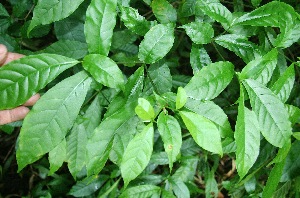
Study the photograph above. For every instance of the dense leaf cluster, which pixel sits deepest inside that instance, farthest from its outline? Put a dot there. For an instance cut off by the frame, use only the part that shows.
(158, 98)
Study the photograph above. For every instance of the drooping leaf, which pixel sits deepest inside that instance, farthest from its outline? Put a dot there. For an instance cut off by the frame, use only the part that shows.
(247, 138)
(57, 156)
(144, 110)
(170, 133)
(199, 58)
(267, 106)
(137, 154)
(134, 21)
(283, 86)
(53, 115)
(204, 132)
(104, 70)
(240, 45)
(99, 25)
(200, 33)
(48, 11)
(210, 81)
(261, 69)
(181, 98)
(141, 191)
(164, 11)
(157, 43)
(22, 78)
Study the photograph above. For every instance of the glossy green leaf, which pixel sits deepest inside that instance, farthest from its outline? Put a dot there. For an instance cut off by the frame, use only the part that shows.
(210, 81)
(199, 58)
(141, 191)
(199, 32)
(164, 11)
(204, 132)
(144, 110)
(283, 86)
(54, 114)
(157, 42)
(292, 163)
(170, 133)
(57, 156)
(100, 143)
(240, 45)
(247, 138)
(137, 154)
(68, 48)
(134, 21)
(267, 106)
(99, 25)
(135, 84)
(212, 112)
(261, 69)
(104, 70)
(48, 11)
(22, 78)
(181, 98)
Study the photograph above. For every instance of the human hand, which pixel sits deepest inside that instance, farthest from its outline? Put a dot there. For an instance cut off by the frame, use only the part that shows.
(18, 113)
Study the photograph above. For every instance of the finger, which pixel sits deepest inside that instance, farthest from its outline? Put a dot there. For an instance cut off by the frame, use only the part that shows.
(12, 115)
(12, 56)
(3, 54)
(32, 100)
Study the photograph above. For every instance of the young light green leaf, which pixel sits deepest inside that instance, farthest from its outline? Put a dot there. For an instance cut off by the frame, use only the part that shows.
(260, 69)
(267, 106)
(99, 25)
(204, 132)
(53, 114)
(48, 11)
(247, 138)
(164, 11)
(283, 86)
(22, 78)
(199, 32)
(170, 133)
(240, 45)
(134, 21)
(57, 156)
(181, 98)
(137, 154)
(104, 70)
(210, 81)
(199, 58)
(100, 143)
(141, 191)
(144, 110)
(157, 43)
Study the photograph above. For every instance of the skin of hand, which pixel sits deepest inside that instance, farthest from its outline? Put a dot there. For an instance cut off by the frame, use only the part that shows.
(18, 113)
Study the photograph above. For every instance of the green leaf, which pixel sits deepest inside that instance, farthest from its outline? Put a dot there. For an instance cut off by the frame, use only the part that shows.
(170, 133)
(22, 78)
(3, 11)
(292, 163)
(247, 138)
(144, 110)
(284, 85)
(199, 58)
(204, 132)
(164, 11)
(134, 21)
(179, 188)
(187, 169)
(294, 114)
(69, 29)
(71, 49)
(181, 98)
(199, 32)
(141, 191)
(100, 143)
(212, 112)
(48, 11)
(137, 154)
(210, 81)
(157, 42)
(288, 36)
(99, 25)
(282, 153)
(53, 114)
(240, 46)
(135, 84)
(211, 185)
(57, 156)
(260, 69)
(104, 70)
(276, 129)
